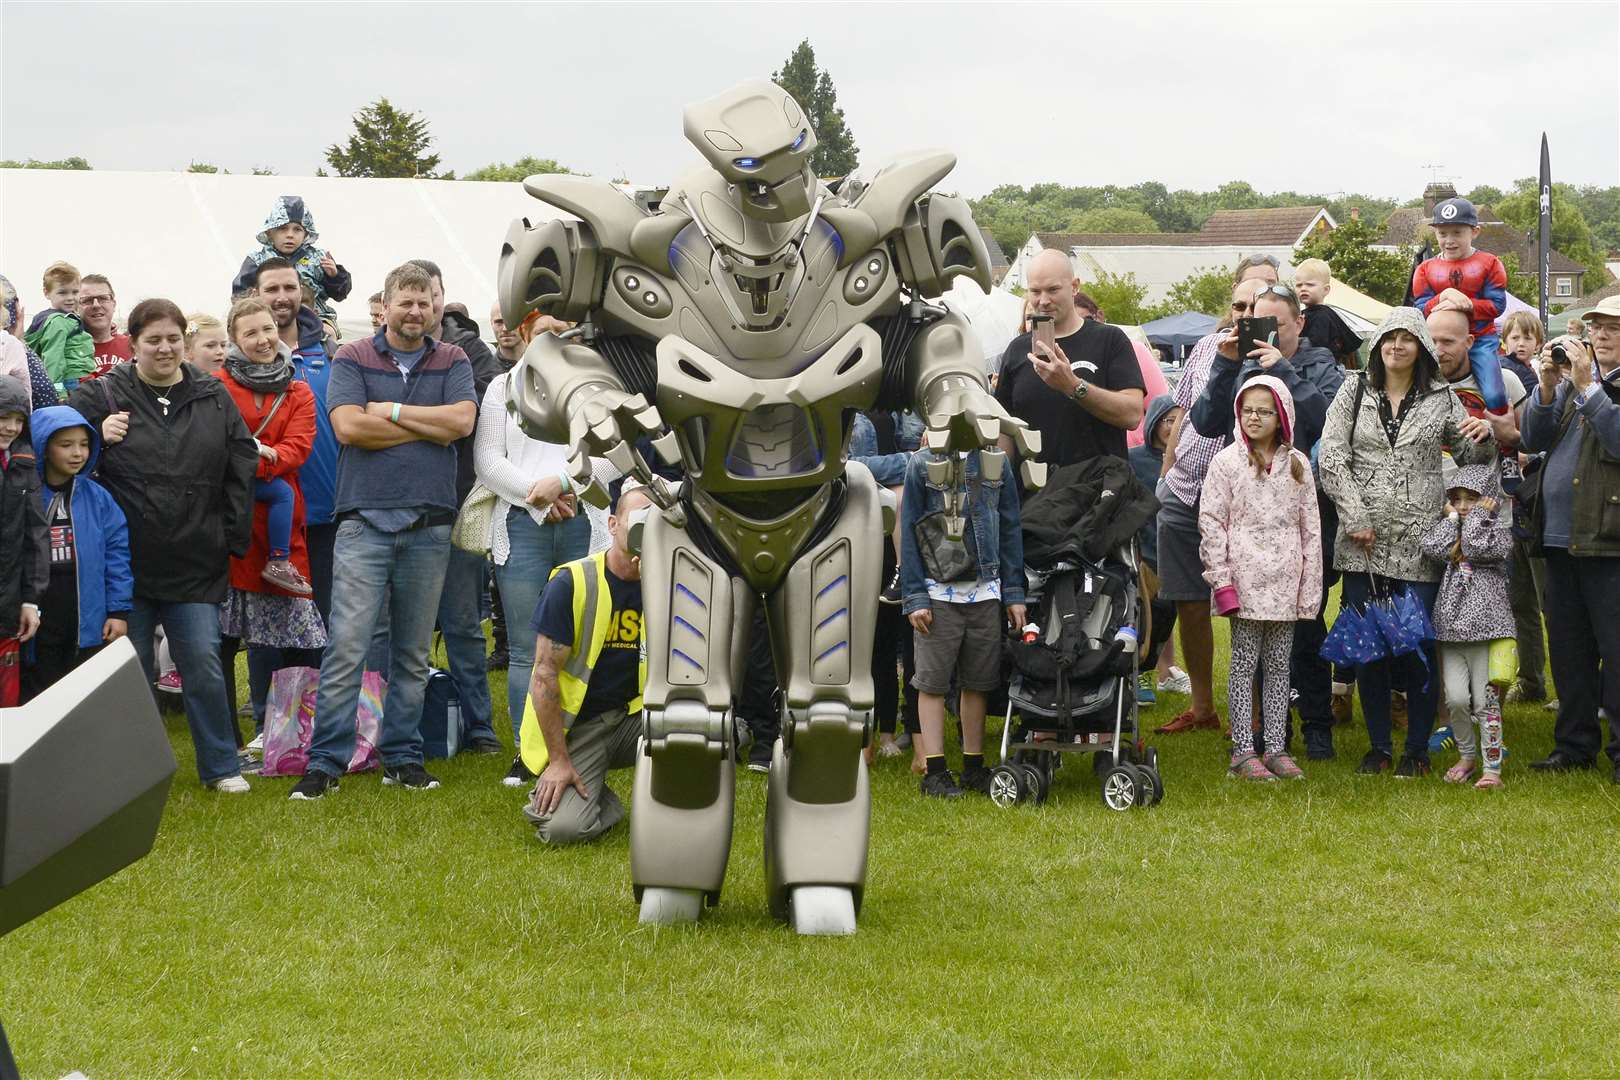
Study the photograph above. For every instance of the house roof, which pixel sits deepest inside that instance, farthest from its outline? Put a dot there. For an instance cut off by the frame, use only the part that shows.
(1065, 241)
(998, 257)
(1401, 227)
(1591, 298)
(1272, 226)
(1278, 226)
(1499, 240)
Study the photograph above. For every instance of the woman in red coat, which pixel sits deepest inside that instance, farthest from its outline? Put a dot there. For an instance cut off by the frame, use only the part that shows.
(280, 625)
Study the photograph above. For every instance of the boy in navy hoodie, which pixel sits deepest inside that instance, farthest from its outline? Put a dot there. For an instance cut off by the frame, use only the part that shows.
(91, 588)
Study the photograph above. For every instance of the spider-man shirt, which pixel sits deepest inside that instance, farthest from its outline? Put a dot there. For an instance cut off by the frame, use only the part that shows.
(1481, 277)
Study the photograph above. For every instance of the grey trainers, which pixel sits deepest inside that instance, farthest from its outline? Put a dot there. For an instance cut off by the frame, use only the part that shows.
(1248, 767)
(1282, 766)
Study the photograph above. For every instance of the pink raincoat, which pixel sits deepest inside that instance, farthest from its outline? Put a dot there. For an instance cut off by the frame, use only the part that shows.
(1262, 534)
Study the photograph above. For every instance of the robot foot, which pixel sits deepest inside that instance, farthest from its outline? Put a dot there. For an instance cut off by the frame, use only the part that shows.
(670, 907)
(820, 910)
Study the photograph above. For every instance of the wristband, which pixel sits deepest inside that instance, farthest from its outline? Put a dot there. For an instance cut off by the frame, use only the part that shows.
(567, 483)
(394, 416)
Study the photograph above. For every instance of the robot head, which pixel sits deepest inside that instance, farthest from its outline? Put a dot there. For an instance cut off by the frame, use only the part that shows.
(756, 136)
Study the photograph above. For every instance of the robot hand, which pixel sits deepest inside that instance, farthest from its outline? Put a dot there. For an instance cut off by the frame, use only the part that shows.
(964, 417)
(607, 424)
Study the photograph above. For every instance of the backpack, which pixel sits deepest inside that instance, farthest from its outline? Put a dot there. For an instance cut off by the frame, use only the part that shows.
(442, 727)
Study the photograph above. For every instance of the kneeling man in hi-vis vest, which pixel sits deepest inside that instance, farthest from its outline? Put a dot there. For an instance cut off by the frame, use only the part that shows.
(584, 712)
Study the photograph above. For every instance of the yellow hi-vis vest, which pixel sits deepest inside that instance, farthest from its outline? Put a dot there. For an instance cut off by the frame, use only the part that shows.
(593, 610)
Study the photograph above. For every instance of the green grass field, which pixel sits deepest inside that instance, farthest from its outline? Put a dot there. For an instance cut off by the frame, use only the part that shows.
(1344, 926)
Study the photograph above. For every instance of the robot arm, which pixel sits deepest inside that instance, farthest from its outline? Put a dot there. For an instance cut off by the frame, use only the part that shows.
(568, 393)
(947, 382)
(946, 376)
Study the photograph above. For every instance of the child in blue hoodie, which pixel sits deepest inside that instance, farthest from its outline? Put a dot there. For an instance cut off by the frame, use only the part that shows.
(91, 588)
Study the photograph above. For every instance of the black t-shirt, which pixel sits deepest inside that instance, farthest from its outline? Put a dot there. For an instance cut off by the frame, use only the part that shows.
(59, 611)
(1101, 355)
(613, 679)
(1325, 328)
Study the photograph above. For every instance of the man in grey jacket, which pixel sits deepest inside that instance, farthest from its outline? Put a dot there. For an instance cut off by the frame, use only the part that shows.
(1576, 420)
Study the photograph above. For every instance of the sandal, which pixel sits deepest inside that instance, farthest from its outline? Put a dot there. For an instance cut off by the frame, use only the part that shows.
(1462, 772)
(1488, 780)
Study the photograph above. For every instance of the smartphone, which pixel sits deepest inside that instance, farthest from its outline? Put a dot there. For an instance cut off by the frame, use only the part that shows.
(1253, 332)
(1042, 328)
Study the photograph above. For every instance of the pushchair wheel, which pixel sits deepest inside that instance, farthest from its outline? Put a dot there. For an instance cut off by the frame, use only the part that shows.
(1006, 784)
(1035, 782)
(1152, 787)
(1121, 788)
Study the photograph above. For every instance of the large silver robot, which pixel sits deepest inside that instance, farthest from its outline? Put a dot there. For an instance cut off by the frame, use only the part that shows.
(738, 329)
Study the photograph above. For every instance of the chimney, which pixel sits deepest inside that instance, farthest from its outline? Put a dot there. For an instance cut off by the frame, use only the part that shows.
(1438, 191)
(1355, 213)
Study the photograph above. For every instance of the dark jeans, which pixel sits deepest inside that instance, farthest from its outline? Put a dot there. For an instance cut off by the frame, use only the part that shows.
(192, 631)
(52, 661)
(1524, 595)
(756, 697)
(1422, 685)
(1313, 676)
(319, 541)
(886, 631)
(1583, 639)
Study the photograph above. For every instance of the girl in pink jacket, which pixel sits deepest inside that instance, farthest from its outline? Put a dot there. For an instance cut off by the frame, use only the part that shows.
(1261, 542)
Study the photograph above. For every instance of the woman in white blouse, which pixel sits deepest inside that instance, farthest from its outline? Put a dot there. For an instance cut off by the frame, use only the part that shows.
(535, 528)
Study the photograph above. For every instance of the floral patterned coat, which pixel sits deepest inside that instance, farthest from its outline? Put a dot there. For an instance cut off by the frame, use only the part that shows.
(1397, 491)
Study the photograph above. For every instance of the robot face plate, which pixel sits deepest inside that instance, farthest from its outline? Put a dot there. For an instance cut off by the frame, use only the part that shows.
(758, 138)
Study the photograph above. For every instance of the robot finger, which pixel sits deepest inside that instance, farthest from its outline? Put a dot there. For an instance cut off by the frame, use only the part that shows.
(668, 449)
(626, 460)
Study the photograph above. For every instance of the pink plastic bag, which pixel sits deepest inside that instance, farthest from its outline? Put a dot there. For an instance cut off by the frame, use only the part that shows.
(289, 721)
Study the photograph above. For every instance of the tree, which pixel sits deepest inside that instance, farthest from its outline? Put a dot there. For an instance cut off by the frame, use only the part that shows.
(1113, 219)
(1570, 233)
(263, 170)
(205, 167)
(1120, 298)
(76, 163)
(812, 87)
(518, 170)
(1208, 290)
(1348, 250)
(386, 142)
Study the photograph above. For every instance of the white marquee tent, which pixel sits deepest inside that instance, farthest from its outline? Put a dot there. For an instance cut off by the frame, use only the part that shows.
(184, 235)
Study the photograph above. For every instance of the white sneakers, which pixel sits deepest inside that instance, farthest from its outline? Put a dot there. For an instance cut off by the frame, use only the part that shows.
(231, 785)
(1176, 683)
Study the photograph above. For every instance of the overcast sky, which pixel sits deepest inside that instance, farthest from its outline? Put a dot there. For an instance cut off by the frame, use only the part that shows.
(1309, 97)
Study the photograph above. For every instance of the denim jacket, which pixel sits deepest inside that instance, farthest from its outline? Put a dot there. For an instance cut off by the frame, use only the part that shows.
(889, 470)
(992, 509)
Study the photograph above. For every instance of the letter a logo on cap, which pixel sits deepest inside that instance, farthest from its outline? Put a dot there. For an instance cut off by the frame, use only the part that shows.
(1448, 211)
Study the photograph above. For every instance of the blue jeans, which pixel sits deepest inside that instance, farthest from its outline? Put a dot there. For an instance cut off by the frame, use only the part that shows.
(464, 646)
(536, 551)
(1422, 686)
(192, 631)
(371, 567)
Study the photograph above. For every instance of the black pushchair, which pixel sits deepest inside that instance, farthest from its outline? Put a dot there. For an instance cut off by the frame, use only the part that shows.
(1074, 675)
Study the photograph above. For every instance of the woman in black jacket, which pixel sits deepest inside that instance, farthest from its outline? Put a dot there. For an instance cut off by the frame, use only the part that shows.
(180, 462)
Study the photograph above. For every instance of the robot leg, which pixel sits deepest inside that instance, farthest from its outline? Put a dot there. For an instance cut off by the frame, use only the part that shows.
(818, 806)
(680, 819)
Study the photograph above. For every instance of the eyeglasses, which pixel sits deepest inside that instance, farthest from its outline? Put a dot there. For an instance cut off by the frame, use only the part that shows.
(86, 301)
(1258, 414)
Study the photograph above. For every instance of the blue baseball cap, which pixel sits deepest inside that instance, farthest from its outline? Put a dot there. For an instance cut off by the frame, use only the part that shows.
(1455, 212)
